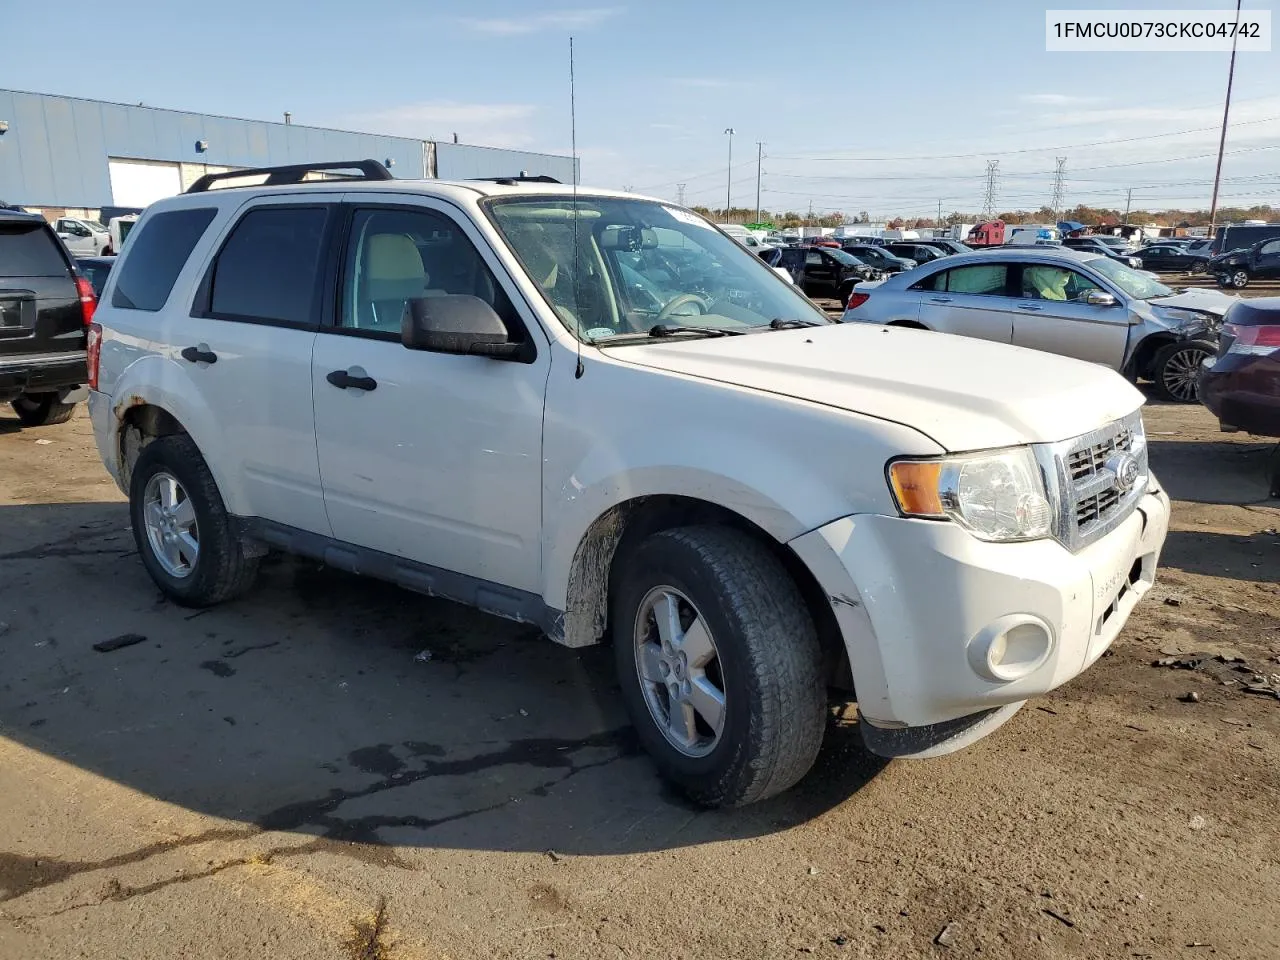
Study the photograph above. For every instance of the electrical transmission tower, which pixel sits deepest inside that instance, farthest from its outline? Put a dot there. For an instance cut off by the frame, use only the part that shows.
(680, 193)
(1059, 182)
(993, 183)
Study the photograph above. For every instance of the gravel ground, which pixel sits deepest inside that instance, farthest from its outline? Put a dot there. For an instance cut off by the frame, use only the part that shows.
(281, 777)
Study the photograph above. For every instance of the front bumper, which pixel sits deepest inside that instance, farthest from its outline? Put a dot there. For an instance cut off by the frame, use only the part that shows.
(920, 603)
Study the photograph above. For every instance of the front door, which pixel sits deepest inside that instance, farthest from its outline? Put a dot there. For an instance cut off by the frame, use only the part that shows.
(76, 236)
(432, 457)
(1052, 315)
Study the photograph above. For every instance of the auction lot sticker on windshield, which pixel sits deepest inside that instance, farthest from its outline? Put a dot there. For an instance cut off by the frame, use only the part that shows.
(1169, 31)
(684, 216)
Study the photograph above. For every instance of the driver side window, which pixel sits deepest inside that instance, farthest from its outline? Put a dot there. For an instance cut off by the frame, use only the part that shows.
(1047, 282)
(395, 256)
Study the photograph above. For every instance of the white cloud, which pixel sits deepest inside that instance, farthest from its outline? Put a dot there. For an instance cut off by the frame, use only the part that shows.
(488, 124)
(1056, 99)
(534, 23)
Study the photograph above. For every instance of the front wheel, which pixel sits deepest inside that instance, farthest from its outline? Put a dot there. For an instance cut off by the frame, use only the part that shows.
(181, 526)
(1176, 369)
(1238, 279)
(42, 410)
(719, 664)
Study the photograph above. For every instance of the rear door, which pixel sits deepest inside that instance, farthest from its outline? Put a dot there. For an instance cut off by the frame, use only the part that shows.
(247, 346)
(1051, 315)
(970, 301)
(39, 307)
(1268, 265)
(819, 270)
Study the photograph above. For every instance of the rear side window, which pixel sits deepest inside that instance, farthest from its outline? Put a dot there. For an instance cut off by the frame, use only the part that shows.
(156, 255)
(30, 250)
(988, 279)
(267, 269)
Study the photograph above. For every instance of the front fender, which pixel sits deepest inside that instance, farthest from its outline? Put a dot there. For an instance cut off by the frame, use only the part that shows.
(161, 382)
(786, 465)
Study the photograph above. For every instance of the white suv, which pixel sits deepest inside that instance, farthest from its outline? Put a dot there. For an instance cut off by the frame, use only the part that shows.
(597, 413)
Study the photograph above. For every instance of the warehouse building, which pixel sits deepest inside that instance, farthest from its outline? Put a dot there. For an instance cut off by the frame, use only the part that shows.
(64, 156)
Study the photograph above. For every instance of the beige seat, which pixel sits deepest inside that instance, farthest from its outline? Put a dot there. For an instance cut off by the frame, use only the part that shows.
(393, 274)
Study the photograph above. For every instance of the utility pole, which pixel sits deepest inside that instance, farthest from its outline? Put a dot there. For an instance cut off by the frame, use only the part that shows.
(993, 181)
(1222, 141)
(1059, 184)
(1128, 201)
(759, 170)
(809, 220)
(728, 189)
(938, 222)
(680, 193)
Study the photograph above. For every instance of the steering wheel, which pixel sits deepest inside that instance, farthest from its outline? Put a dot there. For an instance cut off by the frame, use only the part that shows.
(675, 303)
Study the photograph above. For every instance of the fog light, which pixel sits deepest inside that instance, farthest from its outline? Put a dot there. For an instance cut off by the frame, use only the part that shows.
(1010, 648)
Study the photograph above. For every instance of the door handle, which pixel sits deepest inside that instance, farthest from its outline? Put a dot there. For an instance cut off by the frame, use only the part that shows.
(352, 379)
(199, 354)
(939, 299)
(1031, 307)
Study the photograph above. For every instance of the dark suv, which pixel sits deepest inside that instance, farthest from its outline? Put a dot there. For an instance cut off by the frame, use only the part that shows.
(824, 270)
(1237, 268)
(44, 309)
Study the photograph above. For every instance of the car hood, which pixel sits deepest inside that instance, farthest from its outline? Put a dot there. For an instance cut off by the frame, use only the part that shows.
(965, 394)
(1202, 301)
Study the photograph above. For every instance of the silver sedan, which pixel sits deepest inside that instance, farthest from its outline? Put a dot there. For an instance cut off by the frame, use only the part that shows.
(1081, 305)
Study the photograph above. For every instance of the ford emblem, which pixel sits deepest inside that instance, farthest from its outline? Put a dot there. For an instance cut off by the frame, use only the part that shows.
(1126, 470)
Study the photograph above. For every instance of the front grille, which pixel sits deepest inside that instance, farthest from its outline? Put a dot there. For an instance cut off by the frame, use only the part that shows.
(1089, 497)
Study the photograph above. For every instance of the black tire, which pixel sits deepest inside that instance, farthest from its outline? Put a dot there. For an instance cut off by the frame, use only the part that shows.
(1175, 369)
(845, 292)
(42, 409)
(1238, 278)
(769, 662)
(221, 571)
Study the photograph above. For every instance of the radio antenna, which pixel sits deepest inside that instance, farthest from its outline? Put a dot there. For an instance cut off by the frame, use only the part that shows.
(573, 149)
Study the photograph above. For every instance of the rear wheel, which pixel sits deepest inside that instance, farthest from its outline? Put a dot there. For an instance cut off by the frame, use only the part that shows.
(719, 664)
(1176, 369)
(181, 526)
(42, 409)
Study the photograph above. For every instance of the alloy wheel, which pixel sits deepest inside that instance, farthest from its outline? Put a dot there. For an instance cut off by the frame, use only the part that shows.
(170, 520)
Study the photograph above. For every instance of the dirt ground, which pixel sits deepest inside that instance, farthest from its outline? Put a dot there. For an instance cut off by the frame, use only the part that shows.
(281, 777)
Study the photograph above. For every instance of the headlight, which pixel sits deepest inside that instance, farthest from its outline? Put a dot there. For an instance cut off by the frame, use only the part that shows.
(998, 496)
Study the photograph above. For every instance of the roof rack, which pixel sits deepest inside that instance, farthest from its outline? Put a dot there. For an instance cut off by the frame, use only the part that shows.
(512, 181)
(295, 173)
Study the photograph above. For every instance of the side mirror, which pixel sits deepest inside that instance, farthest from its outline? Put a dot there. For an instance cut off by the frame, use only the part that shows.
(457, 324)
(1098, 298)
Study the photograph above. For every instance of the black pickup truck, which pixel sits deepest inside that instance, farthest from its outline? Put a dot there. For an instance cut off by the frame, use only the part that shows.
(45, 306)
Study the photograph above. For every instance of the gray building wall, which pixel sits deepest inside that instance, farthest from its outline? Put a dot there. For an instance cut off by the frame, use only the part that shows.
(56, 149)
(463, 161)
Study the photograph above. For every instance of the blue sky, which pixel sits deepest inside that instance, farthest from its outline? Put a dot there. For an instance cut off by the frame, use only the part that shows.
(658, 81)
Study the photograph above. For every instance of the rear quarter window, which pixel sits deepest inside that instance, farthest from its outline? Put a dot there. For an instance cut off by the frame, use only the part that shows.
(156, 255)
(30, 250)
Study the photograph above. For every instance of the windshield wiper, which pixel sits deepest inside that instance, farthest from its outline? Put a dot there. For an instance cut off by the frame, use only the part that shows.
(779, 323)
(667, 330)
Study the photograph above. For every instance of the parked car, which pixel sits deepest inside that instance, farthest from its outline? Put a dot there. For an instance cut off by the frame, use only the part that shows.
(912, 250)
(1238, 236)
(44, 308)
(84, 238)
(947, 245)
(1239, 268)
(1080, 305)
(95, 270)
(1107, 247)
(597, 414)
(1171, 257)
(1241, 385)
(878, 257)
(822, 271)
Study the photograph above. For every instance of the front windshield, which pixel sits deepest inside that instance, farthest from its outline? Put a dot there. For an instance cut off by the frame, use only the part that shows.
(1130, 281)
(845, 258)
(640, 264)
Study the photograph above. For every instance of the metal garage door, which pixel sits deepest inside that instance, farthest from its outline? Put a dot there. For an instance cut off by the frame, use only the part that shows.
(137, 183)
